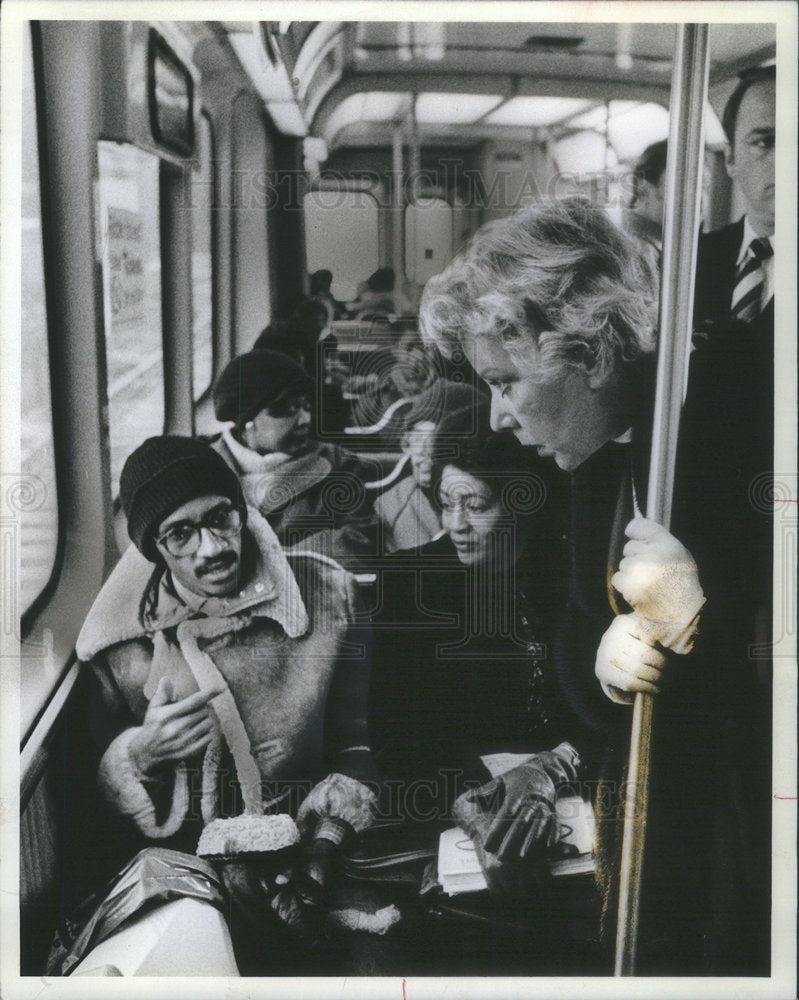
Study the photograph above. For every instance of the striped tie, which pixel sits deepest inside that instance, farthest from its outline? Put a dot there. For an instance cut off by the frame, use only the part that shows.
(749, 283)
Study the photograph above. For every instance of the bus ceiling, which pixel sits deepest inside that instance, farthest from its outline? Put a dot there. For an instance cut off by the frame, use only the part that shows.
(323, 78)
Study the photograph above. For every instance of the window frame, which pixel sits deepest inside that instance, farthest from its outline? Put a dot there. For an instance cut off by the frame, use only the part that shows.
(214, 229)
(60, 432)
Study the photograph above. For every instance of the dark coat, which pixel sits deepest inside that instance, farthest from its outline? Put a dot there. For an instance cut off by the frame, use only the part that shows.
(716, 255)
(706, 882)
(462, 668)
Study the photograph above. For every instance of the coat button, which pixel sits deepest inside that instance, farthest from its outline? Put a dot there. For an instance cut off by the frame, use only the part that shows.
(258, 588)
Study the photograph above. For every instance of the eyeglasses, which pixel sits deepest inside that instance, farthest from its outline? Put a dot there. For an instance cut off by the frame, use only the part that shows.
(183, 539)
(289, 406)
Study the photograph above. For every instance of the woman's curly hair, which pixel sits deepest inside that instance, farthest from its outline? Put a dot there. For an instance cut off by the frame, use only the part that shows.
(558, 277)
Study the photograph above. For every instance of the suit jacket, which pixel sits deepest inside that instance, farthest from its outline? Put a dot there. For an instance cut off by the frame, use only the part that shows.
(716, 268)
(715, 271)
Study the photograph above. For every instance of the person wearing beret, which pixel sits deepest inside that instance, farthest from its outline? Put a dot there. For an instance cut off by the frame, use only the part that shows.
(302, 486)
(229, 679)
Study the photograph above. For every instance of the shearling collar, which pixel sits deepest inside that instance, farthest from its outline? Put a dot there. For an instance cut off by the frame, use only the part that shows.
(249, 461)
(271, 481)
(136, 601)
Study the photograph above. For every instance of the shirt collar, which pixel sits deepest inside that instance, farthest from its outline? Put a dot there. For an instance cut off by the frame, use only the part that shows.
(748, 236)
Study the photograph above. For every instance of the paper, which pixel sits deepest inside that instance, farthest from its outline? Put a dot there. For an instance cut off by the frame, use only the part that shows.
(459, 869)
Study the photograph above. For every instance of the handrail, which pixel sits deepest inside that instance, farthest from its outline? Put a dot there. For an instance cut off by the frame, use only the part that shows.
(381, 423)
(393, 476)
(682, 199)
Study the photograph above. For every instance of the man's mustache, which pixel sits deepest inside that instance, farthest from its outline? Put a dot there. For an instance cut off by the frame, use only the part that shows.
(222, 561)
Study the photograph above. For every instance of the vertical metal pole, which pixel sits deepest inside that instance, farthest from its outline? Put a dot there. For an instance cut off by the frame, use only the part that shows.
(397, 204)
(176, 288)
(682, 199)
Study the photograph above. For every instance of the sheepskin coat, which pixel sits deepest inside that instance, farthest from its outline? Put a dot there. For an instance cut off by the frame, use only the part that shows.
(293, 666)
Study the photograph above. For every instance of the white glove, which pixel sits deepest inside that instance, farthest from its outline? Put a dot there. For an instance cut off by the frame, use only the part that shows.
(658, 578)
(626, 662)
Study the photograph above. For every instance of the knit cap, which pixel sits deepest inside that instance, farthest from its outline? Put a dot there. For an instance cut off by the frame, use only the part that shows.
(252, 381)
(161, 475)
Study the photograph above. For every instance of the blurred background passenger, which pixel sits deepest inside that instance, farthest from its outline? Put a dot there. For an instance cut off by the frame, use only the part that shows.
(649, 174)
(644, 217)
(320, 282)
(376, 296)
(298, 334)
(409, 511)
(300, 485)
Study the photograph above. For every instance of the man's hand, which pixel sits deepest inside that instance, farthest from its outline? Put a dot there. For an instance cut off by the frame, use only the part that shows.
(626, 661)
(658, 578)
(172, 730)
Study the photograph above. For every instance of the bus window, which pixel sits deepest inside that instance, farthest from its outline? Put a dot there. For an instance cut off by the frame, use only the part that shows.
(341, 235)
(202, 195)
(428, 238)
(131, 259)
(35, 498)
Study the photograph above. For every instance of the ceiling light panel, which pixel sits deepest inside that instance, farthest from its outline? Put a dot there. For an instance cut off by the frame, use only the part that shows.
(630, 133)
(372, 106)
(595, 118)
(583, 153)
(534, 112)
(462, 109)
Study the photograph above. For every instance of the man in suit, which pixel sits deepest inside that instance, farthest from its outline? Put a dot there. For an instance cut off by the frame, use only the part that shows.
(734, 302)
(735, 265)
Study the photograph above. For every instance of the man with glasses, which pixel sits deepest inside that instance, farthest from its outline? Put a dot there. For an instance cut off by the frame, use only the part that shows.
(230, 676)
(302, 486)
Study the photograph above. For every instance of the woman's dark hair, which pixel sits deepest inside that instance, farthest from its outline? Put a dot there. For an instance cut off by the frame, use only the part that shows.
(464, 440)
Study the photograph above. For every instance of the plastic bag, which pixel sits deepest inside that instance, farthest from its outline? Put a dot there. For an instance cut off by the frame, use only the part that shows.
(155, 875)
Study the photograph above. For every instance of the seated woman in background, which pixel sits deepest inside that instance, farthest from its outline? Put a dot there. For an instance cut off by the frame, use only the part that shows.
(461, 666)
(408, 511)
